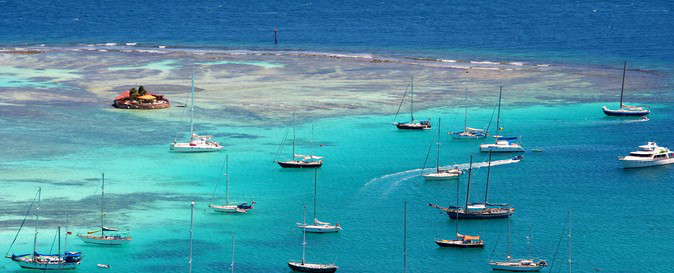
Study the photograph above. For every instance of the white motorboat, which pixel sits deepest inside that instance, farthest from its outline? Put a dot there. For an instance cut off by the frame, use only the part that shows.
(107, 236)
(318, 226)
(648, 155)
(197, 143)
(503, 145)
(440, 174)
(228, 207)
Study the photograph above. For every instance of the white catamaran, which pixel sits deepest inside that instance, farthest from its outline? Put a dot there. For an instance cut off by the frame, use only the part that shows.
(197, 142)
(503, 144)
(318, 226)
(229, 207)
(61, 261)
(108, 235)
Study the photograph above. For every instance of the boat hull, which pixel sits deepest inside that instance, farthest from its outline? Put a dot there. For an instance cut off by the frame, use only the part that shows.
(485, 148)
(305, 267)
(511, 267)
(187, 148)
(413, 126)
(631, 164)
(479, 215)
(300, 164)
(457, 244)
(440, 176)
(320, 228)
(228, 209)
(108, 240)
(466, 137)
(625, 113)
(44, 263)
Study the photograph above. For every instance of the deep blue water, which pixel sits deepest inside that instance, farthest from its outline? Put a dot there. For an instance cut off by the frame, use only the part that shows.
(591, 31)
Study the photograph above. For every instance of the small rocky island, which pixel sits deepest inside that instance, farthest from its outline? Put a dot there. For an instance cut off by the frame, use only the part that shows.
(140, 99)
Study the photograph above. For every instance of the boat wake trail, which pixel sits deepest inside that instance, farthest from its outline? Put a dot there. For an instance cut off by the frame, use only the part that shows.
(398, 177)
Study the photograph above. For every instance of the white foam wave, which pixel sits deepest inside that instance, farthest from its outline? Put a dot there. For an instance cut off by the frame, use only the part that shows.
(483, 62)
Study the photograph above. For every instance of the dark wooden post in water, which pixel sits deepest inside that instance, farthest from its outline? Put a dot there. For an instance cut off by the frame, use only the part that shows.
(622, 87)
(275, 32)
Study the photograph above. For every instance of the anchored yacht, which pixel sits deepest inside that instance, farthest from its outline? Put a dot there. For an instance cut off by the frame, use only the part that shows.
(648, 155)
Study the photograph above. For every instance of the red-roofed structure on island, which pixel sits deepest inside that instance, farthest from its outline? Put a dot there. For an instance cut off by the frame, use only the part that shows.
(133, 100)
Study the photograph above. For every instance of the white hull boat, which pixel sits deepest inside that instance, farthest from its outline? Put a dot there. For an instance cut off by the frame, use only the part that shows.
(45, 263)
(442, 175)
(320, 227)
(104, 240)
(228, 208)
(502, 145)
(647, 156)
(517, 266)
(197, 143)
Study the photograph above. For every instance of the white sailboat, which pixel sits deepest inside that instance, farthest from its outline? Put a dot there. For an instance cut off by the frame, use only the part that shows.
(468, 132)
(517, 265)
(318, 226)
(67, 260)
(503, 144)
(108, 235)
(626, 110)
(227, 207)
(197, 142)
(440, 174)
(303, 266)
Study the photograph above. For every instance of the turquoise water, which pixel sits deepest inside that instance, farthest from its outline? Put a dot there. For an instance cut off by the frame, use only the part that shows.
(362, 186)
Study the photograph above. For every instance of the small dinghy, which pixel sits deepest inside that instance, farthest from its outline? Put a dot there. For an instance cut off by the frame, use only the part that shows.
(103, 265)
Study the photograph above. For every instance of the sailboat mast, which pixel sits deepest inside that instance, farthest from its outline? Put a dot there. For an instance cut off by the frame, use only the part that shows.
(529, 242)
(569, 246)
(437, 168)
(486, 191)
(498, 116)
(622, 88)
(59, 247)
(412, 99)
(192, 111)
(102, 203)
(304, 235)
(315, 190)
(226, 180)
(470, 171)
(465, 114)
(458, 185)
(508, 242)
(37, 220)
(65, 244)
(404, 237)
(191, 236)
(232, 265)
(312, 142)
(293, 156)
